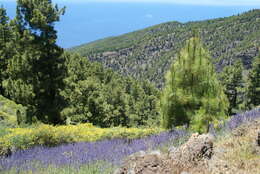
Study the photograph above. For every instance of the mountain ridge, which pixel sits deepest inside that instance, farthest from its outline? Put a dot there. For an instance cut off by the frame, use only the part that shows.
(148, 53)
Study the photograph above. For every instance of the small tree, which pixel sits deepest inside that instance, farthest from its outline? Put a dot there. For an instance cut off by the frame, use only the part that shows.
(232, 80)
(192, 94)
(253, 91)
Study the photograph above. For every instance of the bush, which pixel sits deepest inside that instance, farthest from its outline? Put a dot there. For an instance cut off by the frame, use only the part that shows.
(9, 110)
(23, 138)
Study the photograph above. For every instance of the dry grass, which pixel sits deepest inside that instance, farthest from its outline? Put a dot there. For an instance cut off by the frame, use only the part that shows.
(235, 153)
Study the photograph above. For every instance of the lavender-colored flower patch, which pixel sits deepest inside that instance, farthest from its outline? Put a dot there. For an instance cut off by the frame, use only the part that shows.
(78, 154)
(239, 119)
(112, 151)
(236, 120)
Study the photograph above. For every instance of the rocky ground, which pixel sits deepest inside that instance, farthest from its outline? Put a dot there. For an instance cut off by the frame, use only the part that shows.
(237, 152)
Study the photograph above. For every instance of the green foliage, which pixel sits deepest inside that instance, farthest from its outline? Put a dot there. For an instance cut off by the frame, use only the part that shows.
(232, 80)
(146, 54)
(8, 112)
(47, 135)
(35, 69)
(99, 167)
(104, 98)
(56, 87)
(192, 94)
(253, 92)
(5, 36)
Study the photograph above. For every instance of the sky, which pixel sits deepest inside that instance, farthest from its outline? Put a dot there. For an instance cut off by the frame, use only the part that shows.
(90, 20)
(186, 2)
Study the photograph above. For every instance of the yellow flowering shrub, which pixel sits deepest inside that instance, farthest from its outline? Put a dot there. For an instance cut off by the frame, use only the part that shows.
(22, 138)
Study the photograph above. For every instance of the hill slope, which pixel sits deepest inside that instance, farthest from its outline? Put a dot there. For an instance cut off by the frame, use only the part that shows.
(147, 54)
(234, 152)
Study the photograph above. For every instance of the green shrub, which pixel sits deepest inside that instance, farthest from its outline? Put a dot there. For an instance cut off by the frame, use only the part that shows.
(23, 138)
(9, 110)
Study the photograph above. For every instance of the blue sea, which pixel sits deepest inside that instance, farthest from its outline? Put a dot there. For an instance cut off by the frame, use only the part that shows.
(86, 22)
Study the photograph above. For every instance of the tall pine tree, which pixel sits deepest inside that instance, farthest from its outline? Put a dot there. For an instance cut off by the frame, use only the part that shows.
(36, 69)
(232, 80)
(192, 94)
(5, 36)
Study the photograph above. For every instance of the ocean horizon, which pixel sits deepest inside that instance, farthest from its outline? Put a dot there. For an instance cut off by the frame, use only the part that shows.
(87, 22)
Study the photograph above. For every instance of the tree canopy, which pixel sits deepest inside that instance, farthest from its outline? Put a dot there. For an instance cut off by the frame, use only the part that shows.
(193, 94)
(233, 82)
(253, 92)
(35, 68)
(58, 87)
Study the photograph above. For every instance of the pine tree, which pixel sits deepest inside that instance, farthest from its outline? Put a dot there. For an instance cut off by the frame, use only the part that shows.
(36, 70)
(192, 94)
(5, 36)
(253, 91)
(19, 86)
(232, 80)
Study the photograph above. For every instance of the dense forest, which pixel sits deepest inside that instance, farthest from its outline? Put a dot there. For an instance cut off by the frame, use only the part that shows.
(148, 53)
(62, 87)
(58, 87)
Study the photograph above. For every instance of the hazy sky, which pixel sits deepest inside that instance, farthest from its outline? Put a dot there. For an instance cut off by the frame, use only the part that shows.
(89, 20)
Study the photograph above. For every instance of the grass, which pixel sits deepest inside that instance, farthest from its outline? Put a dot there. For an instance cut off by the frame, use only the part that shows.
(238, 149)
(99, 167)
(8, 110)
(173, 142)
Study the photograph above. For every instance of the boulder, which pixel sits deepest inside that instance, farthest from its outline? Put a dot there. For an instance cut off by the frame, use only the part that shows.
(198, 147)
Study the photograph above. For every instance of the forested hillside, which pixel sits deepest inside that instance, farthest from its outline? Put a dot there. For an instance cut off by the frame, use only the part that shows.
(62, 113)
(59, 88)
(147, 54)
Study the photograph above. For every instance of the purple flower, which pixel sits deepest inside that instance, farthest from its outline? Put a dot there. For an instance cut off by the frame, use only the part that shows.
(239, 119)
(112, 151)
(78, 154)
